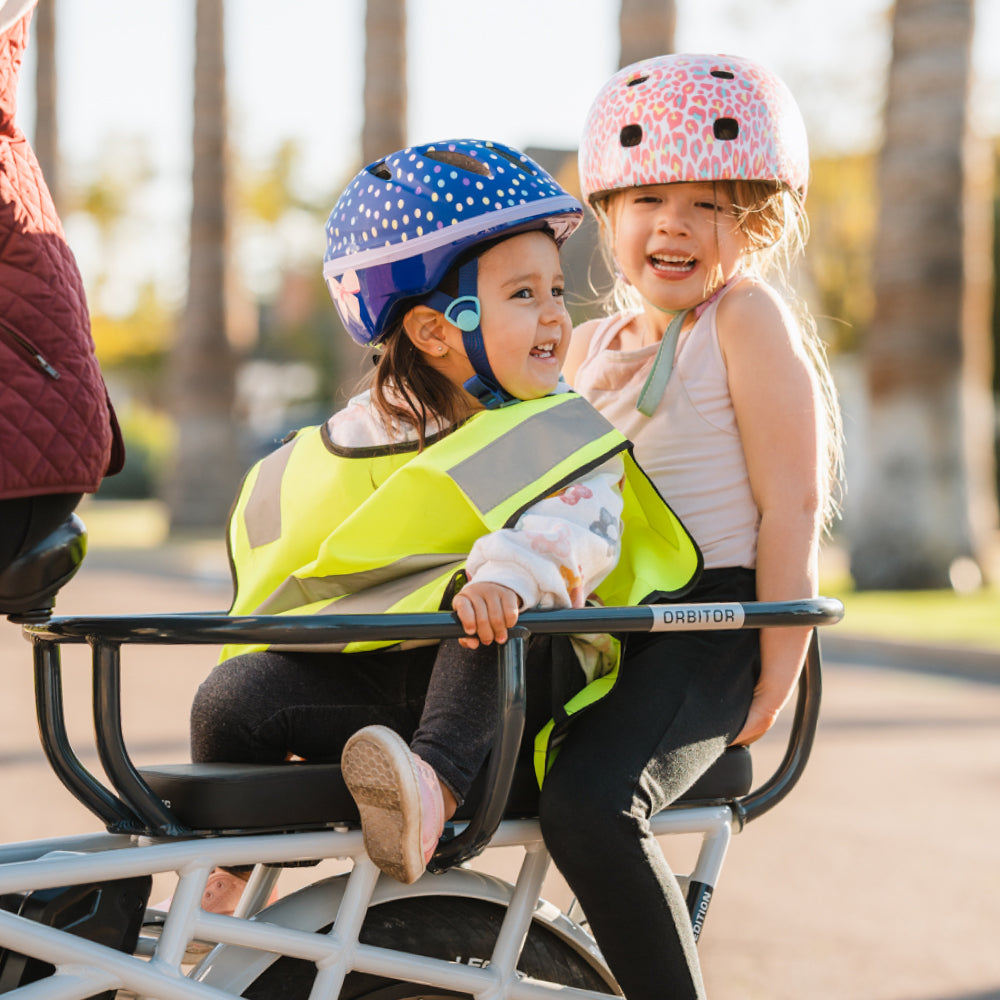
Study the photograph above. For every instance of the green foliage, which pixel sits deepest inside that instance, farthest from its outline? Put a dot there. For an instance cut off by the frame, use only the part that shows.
(842, 214)
(936, 617)
(149, 443)
(137, 341)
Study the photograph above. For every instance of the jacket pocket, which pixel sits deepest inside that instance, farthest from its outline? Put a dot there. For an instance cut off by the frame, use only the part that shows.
(28, 349)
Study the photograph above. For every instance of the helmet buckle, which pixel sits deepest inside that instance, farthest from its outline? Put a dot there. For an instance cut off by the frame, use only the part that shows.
(465, 312)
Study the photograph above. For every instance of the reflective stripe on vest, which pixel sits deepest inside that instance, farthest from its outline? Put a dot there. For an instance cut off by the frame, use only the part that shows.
(316, 526)
(372, 558)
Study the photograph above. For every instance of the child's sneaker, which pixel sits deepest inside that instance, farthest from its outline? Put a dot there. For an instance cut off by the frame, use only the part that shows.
(399, 798)
(222, 892)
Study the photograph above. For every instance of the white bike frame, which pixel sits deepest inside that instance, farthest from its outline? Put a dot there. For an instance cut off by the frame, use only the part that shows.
(322, 922)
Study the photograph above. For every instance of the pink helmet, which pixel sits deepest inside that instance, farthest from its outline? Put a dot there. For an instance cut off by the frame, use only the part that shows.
(693, 118)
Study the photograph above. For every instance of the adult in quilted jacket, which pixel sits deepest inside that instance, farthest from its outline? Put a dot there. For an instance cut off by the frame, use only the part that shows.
(58, 433)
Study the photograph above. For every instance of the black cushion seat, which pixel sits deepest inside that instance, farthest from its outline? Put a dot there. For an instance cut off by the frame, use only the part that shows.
(299, 795)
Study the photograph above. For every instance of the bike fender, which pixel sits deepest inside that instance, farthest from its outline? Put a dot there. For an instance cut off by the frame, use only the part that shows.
(233, 968)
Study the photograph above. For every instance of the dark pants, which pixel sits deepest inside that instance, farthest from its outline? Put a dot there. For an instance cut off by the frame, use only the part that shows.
(679, 701)
(261, 707)
(25, 521)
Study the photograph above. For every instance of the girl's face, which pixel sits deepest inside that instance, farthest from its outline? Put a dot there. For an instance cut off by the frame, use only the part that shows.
(525, 325)
(676, 243)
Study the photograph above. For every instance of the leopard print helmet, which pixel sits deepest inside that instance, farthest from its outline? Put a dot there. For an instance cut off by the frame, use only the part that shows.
(693, 118)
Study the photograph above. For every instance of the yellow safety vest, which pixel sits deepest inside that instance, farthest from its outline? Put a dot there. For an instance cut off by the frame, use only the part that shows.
(319, 529)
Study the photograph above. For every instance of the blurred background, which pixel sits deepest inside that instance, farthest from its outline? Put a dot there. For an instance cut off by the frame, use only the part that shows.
(195, 148)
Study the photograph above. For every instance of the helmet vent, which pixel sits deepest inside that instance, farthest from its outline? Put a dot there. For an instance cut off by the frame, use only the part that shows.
(723, 74)
(630, 135)
(381, 171)
(461, 160)
(635, 81)
(513, 159)
(726, 128)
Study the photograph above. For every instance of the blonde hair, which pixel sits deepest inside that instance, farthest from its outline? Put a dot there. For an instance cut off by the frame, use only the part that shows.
(774, 224)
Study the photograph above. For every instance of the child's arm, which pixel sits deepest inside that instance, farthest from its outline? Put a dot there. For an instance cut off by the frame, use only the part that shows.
(557, 553)
(778, 411)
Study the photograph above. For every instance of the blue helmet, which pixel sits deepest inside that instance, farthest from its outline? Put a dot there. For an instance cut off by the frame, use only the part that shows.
(404, 221)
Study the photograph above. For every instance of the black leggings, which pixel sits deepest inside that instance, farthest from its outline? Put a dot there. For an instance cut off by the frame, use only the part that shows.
(679, 700)
(261, 707)
(24, 521)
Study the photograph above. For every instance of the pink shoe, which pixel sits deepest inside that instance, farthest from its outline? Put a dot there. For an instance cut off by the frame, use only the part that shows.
(399, 798)
(222, 892)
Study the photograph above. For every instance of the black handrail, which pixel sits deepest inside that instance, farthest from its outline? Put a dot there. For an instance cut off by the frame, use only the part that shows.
(313, 630)
(85, 788)
(800, 742)
(142, 809)
(489, 812)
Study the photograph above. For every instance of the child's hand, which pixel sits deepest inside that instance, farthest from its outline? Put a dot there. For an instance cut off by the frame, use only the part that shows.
(486, 611)
(759, 721)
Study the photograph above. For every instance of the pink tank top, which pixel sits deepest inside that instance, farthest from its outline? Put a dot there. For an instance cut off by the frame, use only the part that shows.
(690, 447)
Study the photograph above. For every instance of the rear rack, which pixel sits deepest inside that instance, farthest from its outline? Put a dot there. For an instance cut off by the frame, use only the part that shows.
(133, 808)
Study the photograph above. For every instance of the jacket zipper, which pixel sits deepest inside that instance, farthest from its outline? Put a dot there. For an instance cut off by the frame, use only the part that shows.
(32, 351)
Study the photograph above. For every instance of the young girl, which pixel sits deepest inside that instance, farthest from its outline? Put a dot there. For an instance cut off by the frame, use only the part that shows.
(696, 167)
(467, 477)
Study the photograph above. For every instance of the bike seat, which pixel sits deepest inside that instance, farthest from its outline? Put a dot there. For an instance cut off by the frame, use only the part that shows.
(214, 798)
(28, 586)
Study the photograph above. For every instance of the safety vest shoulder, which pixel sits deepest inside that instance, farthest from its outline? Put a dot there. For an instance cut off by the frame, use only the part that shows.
(318, 529)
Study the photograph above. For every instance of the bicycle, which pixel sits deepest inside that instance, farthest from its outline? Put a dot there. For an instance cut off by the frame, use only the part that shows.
(75, 919)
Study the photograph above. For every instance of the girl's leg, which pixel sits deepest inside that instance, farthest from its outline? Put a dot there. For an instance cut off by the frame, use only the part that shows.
(678, 702)
(460, 712)
(262, 707)
(405, 794)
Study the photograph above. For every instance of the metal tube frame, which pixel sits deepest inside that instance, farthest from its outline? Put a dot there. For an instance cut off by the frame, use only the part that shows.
(145, 838)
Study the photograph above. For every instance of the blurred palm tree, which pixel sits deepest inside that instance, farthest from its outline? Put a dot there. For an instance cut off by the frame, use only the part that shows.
(46, 139)
(202, 370)
(645, 28)
(384, 129)
(927, 500)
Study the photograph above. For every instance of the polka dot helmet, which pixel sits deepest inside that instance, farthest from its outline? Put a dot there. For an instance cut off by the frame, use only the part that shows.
(693, 118)
(403, 221)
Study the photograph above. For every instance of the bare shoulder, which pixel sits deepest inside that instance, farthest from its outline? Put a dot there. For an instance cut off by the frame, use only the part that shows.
(753, 319)
(579, 347)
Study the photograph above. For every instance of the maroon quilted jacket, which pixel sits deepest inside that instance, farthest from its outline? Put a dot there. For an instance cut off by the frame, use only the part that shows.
(58, 432)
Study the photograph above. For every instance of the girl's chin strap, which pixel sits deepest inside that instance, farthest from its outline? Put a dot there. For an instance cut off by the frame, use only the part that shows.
(465, 312)
(663, 364)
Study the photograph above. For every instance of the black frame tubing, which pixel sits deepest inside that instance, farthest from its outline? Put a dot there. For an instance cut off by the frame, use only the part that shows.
(142, 811)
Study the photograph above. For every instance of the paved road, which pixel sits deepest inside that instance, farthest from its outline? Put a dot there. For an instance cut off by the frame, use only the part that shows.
(878, 879)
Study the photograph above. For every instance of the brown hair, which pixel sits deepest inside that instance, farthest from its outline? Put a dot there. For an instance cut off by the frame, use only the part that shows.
(408, 390)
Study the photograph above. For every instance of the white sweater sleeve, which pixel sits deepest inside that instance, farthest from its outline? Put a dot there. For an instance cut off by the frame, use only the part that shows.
(562, 547)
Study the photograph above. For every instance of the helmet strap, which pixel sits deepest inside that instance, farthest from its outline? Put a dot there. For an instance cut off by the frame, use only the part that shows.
(663, 364)
(465, 312)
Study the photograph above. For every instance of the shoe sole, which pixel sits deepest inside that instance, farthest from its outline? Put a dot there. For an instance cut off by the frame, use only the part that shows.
(380, 774)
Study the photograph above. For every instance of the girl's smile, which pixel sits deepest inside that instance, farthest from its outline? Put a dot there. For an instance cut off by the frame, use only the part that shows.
(676, 243)
(526, 328)
(672, 265)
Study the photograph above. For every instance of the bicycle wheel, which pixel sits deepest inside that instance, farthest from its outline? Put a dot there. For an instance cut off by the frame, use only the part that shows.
(453, 928)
